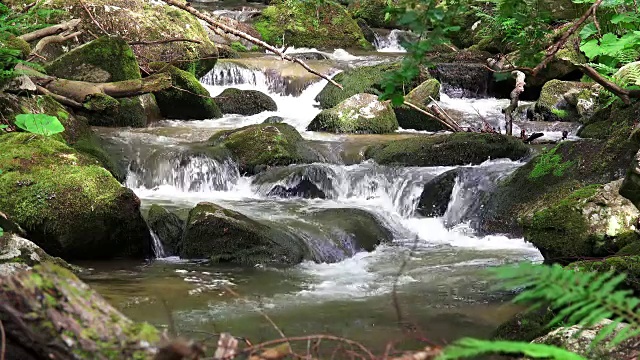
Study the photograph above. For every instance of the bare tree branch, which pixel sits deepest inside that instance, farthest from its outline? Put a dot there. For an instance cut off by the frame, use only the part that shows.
(53, 39)
(165, 41)
(51, 30)
(515, 97)
(217, 25)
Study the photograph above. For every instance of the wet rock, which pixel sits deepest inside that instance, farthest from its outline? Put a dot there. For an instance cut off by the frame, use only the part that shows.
(307, 181)
(360, 114)
(436, 195)
(193, 104)
(244, 102)
(264, 145)
(365, 230)
(224, 235)
(18, 253)
(525, 326)
(361, 80)
(87, 63)
(368, 33)
(577, 339)
(168, 227)
(627, 265)
(409, 118)
(69, 205)
(304, 189)
(310, 56)
(565, 101)
(273, 120)
(464, 80)
(447, 150)
(329, 26)
(585, 223)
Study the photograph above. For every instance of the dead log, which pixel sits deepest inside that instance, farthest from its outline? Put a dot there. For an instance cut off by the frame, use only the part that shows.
(51, 30)
(48, 313)
(78, 93)
(53, 39)
(515, 97)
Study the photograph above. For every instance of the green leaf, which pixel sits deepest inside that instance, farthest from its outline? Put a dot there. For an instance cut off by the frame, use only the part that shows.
(588, 30)
(465, 348)
(2, 126)
(41, 124)
(624, 18)
(1, 231)
(591, 48)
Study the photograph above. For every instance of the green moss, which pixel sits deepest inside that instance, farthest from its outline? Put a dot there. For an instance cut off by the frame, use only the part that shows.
(373, 12)
(561, 113)
(525, 326)
(192, 103)
(66, 202)
(238, 46)
(308, 24)
(109, 55)
(244, 102)
(549, 163)
(346, 118)
(263, 145)
(409, 118)
(13, 42)
(628, 265)
(447, 150)
(90, 145)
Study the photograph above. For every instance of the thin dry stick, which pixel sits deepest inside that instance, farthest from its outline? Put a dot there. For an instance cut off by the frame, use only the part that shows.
(93, 19)
(454, 124)
(214, 24)
(165, 41)
(417, 108)
(317, 337)
(3, 338)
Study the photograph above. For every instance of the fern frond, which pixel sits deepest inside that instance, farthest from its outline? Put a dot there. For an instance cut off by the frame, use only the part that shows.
(465, 348)
(628, 75)
(582, 298)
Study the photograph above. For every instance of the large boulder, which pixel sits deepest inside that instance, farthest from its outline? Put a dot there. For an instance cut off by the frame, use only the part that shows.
(409, 118)
(67, 320)
(244, 102)
(69, 205)
(188, 99)
(107, 59)
(436, 194)
(168, 228)
(138, 20)
(255, 147)
(578, 340)
(447, 150)
(325, 25)
(365, 79)
(224, 235)
(627, 265)
(360, 114)
(565, 101)
(469, 80)
(585, 223)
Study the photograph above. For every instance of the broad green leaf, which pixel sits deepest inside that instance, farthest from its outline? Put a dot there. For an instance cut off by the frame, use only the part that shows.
(588, 30)
(591, 48)
(1, 231)
(625, 18)
(2, 127)
(41, 124)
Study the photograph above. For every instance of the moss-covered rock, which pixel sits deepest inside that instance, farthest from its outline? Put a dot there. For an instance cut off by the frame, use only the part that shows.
(14, 42)
(18, 250)
(371, 11)
(585, 223)
(365, 230)
(261, 145)
(525, 326)
(69, 318)
(629, 265)
(312, 25)
(193, 104)
(361, 80)
(436, 194)
(168, 228)
(70, 206)
(360, 114)
(306, 181)
(106, 59)
(244, 102)
(224, 235)
(447, 150)
(560, 101)
(409, 118)
(140, 20)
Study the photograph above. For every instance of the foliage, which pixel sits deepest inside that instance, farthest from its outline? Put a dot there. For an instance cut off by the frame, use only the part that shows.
(13, 24)
(465, 348)
(41, 124)
(549, 163)
(1, 232)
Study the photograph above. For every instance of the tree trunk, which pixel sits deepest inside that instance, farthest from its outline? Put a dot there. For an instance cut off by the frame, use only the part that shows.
(515, 97)
(48, 313)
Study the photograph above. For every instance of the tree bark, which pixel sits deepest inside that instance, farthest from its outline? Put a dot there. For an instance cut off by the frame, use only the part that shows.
(51, 30)
(515, 97)
(52, 39)
(74, 93)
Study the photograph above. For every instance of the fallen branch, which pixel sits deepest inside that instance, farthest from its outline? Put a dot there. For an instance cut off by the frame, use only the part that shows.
(515, 97)
(553, 49)
(51, 30)
(217, 25)
(165, 41)
(453, 123)
(53, 39)
(419, 109)
(624, 94)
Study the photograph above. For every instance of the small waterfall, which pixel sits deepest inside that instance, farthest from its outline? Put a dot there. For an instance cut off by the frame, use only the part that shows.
(390, 42)
(156, 246)
(184, 172)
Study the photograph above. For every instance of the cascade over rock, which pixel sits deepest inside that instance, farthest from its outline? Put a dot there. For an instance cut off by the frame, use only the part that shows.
(225, 235)
(360, 114)
(446, 150)
(257, 146)
(436, 195)
(87, 63)
(244, 102)
(69, 205)
(168, 227)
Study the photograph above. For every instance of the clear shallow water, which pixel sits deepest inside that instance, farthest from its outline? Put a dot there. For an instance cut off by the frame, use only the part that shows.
(443, 288)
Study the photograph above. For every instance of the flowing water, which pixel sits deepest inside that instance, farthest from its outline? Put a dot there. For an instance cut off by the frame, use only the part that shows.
(442, 288)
